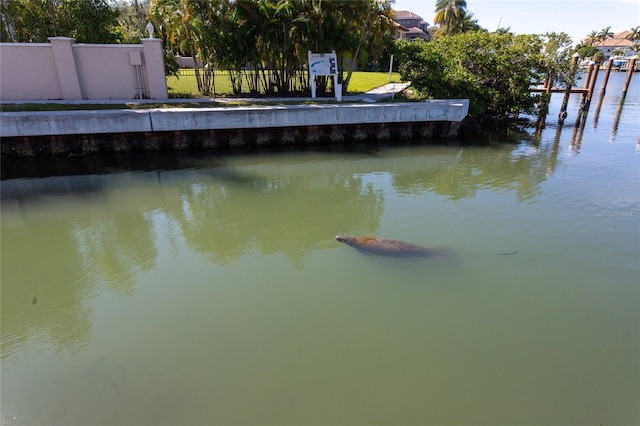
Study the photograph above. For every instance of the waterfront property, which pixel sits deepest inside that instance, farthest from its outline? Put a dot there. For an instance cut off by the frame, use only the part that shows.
(200, 288)
(619, 41)
(410, 26)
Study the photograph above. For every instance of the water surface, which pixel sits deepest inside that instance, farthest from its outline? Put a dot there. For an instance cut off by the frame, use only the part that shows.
(217, 294)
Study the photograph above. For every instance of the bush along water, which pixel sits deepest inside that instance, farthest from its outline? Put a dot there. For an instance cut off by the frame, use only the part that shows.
(494, 71)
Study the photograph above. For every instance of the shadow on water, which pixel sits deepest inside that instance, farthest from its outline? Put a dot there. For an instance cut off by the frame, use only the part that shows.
(102, 164)
(291, 205)
(110, 163)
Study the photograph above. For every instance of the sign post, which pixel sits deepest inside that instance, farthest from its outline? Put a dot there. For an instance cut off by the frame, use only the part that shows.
(324, 64)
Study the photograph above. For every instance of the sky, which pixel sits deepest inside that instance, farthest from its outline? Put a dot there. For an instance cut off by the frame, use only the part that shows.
(574, 17)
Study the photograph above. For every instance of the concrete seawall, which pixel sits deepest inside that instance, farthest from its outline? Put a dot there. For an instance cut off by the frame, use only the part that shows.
(78, 132)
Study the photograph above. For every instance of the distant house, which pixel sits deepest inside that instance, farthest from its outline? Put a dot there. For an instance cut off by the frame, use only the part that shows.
(410, 26)
(619, 41)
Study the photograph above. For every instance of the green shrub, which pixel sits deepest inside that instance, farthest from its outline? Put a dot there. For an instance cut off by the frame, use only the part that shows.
(171, 66)
(494, 71)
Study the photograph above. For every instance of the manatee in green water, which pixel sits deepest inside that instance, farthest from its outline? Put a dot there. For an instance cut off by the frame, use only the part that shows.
(389, 247)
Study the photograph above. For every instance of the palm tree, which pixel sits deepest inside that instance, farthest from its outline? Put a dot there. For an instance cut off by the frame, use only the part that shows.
(450, 15)
(617, 52)
(592, 38)
(635, 34)
(469, 23)
(605, 33)
(635, 48)
(167, 17)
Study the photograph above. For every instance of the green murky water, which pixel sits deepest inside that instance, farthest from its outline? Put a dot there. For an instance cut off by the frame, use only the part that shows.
(216, 294)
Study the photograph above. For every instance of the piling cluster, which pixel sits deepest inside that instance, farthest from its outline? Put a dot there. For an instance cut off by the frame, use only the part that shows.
(586, 90)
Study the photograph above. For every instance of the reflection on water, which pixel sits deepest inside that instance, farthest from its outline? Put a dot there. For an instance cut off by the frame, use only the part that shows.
(214, 292)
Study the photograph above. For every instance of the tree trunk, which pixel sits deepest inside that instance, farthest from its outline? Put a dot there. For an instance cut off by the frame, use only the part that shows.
(354, 60)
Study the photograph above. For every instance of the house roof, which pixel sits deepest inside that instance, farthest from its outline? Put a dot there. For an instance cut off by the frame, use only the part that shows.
(405, 14)
(622, 34)
(619, 40)
(415, 30)
(400, 27)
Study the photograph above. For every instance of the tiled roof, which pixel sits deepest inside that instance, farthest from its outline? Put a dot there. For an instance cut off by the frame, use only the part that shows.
(619, 40)
(415, 30)
(614, 42)
(405, 14)
(622, 34)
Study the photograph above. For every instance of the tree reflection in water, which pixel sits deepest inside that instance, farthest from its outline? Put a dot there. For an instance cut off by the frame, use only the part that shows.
(64, 237)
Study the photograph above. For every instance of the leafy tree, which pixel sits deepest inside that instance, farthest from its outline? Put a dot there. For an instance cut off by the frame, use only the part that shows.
(368, 22)
(272, 37)
(494, 71)
(190, 26)
(133, 19)
(503, 30)
(236, 47)
(586, 51)
(7, 16)
(556, 58)
(598, 57)
(28, 21)
(201, 23)
(167, 17)
(88, 21)
(171, 65)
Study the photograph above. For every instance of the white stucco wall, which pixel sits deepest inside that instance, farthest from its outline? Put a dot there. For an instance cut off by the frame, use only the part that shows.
(63, 69)
(28, 71)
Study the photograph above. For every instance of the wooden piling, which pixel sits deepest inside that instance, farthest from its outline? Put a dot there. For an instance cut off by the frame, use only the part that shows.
(606, 77)
(587, 81)
(597, 113)
(616, 120)
(548, 84)
(631, 65)
(592, 84)
(587, 78)
(567, 91)
(576, 135)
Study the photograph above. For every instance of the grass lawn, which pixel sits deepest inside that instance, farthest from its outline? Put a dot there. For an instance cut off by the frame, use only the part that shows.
(185, 86)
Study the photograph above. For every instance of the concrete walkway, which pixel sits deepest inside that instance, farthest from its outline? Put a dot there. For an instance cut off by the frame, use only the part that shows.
(379, 93)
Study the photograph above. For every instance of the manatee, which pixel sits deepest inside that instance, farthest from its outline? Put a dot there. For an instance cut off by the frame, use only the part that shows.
(389, 247)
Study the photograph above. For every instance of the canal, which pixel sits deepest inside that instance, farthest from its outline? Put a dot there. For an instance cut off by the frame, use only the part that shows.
(209, 289)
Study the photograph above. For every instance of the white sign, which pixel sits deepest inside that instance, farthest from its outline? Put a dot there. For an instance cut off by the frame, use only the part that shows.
(322, 64)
